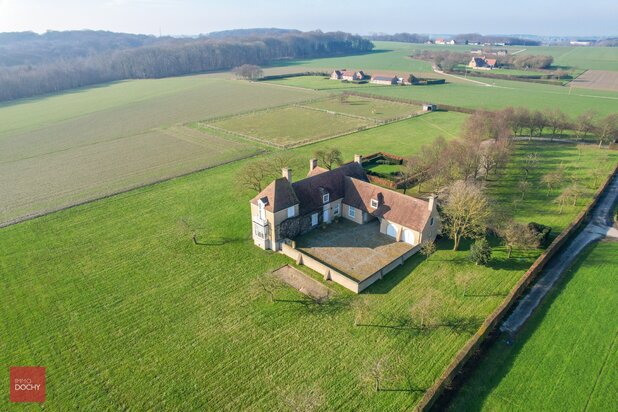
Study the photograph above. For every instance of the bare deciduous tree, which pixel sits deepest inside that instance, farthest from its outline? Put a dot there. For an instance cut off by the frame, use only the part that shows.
(552, 179)
(248, 72)
(253, 175)
(425, 310)
(266, 284)
(584, 124)
(516, 235)
(329, 157)
(466, 212)
(607, 129)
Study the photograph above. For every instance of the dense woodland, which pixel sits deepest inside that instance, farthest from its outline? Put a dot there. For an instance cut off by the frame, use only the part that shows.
(76, 64)
(400, 37)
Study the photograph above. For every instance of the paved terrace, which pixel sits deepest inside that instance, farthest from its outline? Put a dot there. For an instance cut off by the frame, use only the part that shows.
(356, 250)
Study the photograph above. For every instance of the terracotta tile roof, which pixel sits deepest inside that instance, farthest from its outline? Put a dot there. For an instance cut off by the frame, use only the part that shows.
(279, 195)
(316, 171)
(393, 206)
(491, 62)
(309, 190)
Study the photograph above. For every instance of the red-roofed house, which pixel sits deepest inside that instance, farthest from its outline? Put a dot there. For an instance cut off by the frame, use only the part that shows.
(482, 63)
(285, 209)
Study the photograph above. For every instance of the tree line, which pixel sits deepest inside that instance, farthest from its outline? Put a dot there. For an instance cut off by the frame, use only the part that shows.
(449, 60)
(172, 58)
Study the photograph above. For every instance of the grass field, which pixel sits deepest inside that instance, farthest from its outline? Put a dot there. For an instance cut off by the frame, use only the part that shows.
(319, 83)
(126, 311)
(394, 57)
(505, 93)
(537, 205)
(290, 125)
(366, 107)
(565, 357)
(185, 326)
(62, 149)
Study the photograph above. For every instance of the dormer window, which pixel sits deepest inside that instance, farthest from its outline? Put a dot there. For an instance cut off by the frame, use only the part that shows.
(325, 198)
(374, 203)
(291, 211)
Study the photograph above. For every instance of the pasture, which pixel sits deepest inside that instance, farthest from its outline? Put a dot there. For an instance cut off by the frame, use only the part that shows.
(290, 125)
(504, 93)
(377, 109)
(177, 310)
(565, 357)
(319, 83)
(62, 149)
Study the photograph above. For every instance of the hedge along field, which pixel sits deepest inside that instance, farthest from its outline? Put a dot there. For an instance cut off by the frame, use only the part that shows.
(565, 357)
(290, 125)
(71, 147)
(125, 311)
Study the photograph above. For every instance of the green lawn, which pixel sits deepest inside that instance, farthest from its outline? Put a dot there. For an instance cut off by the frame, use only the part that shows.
(290, 125)
(385, 169)
(319, 83)
(394, 57)
(123, 309)
(537, 205)
(565, 357)
(388, 56)
(366, 107)
(505, 93)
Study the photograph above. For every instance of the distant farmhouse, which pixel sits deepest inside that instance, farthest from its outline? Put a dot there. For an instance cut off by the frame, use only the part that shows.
(386, 79)
(482, 63)
(445, 42)
(286, 212)
(349, 75)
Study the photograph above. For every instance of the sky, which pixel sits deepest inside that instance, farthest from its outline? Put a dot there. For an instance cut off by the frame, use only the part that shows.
(190, 17)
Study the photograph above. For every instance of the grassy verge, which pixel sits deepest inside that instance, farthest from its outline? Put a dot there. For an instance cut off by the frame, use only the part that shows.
(562, 359)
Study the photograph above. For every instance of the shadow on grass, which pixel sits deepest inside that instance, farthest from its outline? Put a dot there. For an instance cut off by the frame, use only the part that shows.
(500, 355)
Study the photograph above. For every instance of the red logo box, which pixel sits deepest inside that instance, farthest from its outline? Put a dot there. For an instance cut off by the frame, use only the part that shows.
(27, 383)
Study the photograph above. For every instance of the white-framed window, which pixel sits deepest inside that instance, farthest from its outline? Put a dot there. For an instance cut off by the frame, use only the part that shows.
(351, 212)
(291, 211)
(374, 203)
(314, 219)
(336, 210)
(325, 198)
(261, 210)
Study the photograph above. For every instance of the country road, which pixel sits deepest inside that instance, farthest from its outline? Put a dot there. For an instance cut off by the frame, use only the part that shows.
(598, 228)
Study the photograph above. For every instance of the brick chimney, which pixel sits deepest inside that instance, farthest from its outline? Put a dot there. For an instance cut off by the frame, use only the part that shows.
(358, 159)
(287, 173)
(432, 200)
(313, 163)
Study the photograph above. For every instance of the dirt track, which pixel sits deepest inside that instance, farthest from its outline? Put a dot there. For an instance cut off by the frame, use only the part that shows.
(598, 80)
